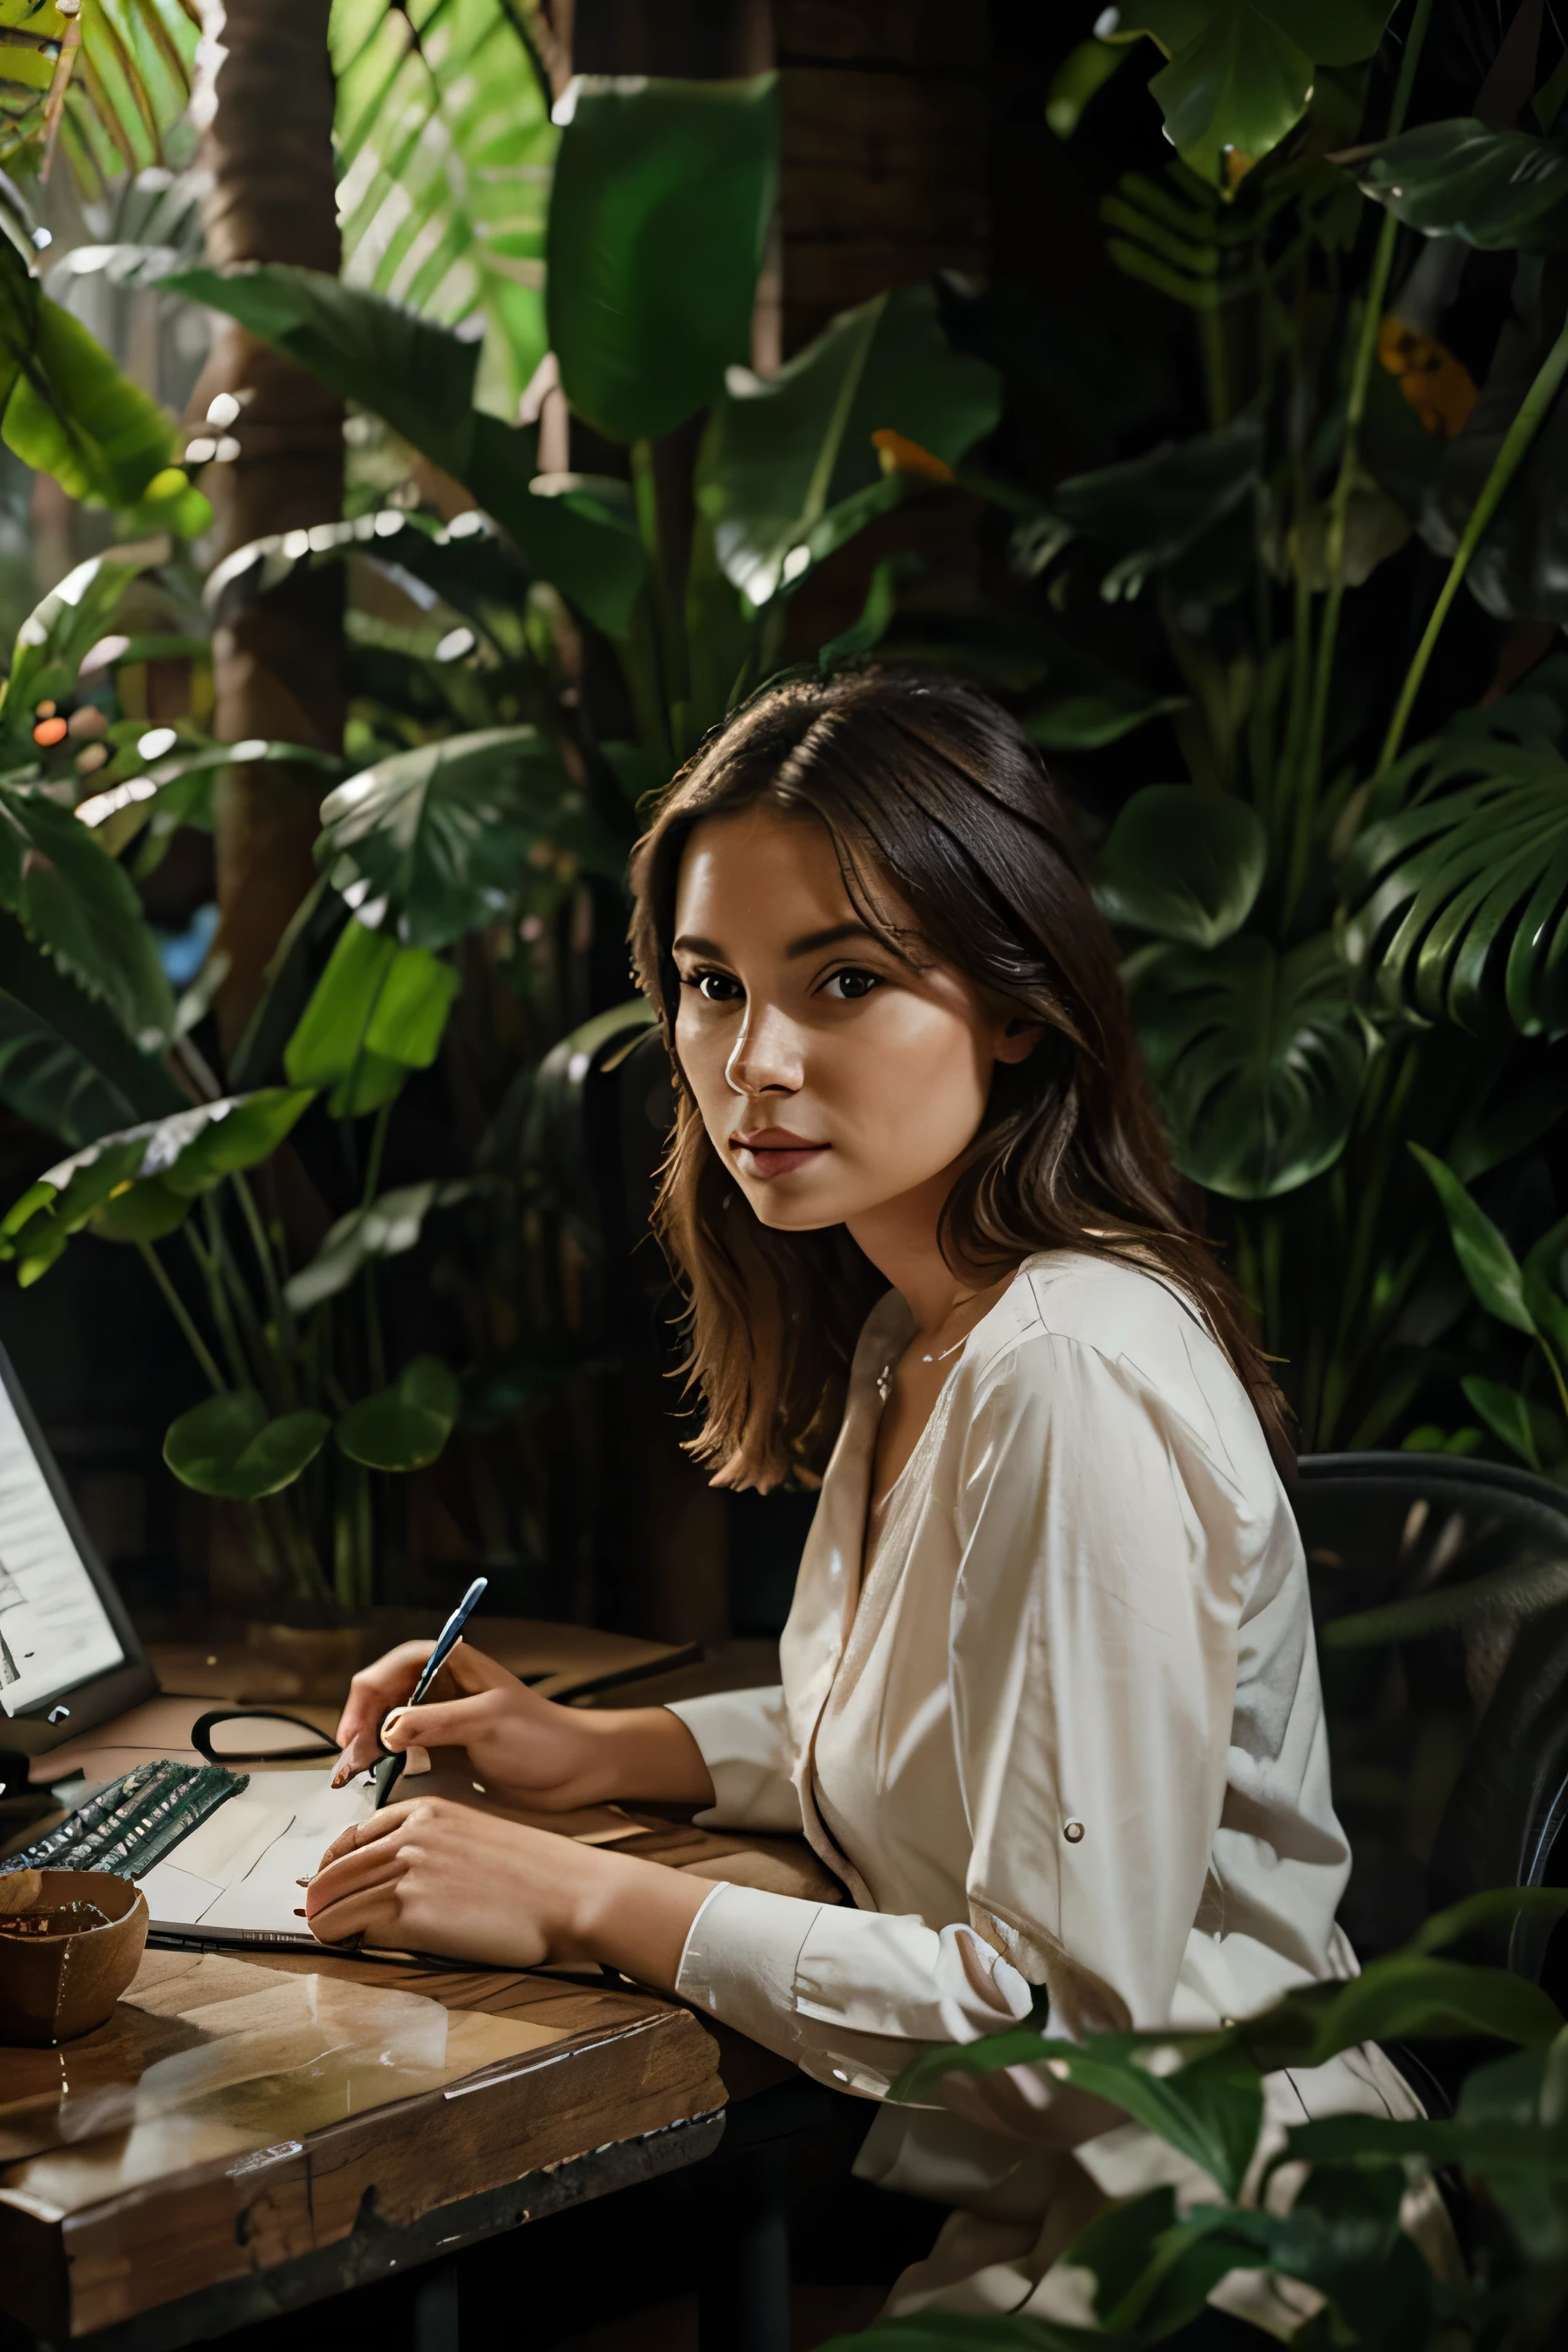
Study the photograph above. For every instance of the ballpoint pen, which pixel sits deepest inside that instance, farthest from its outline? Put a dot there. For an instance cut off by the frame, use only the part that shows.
(389, 1772)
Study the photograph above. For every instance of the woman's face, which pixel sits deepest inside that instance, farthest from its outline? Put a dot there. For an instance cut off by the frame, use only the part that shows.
(833, 1079)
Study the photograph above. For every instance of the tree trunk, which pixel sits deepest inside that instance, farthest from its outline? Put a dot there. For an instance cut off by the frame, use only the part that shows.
(264, 102)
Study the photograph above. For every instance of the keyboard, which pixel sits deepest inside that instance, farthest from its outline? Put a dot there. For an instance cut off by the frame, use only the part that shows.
(134, 1821)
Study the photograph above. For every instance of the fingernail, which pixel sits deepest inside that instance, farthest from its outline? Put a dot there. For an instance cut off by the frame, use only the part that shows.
(302, 1915)
(305, 1882)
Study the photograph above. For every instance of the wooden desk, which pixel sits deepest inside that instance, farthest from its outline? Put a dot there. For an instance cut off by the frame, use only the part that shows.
(243, 2188)
(166, 2180)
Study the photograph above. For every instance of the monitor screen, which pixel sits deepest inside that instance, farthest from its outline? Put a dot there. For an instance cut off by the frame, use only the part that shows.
(55, 1632)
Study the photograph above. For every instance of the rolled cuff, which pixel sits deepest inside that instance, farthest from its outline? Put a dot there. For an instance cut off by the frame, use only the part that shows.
(744, 1738)
(849, 1996)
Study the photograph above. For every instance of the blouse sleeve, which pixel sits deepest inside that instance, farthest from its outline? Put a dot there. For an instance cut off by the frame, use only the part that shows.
(1093, 1662)
(745, 1743)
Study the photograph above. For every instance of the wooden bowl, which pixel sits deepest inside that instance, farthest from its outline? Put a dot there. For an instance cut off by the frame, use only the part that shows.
(56, 1986)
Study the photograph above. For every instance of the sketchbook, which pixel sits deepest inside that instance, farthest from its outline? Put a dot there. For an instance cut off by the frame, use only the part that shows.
(236, 1878)
(219, 1856)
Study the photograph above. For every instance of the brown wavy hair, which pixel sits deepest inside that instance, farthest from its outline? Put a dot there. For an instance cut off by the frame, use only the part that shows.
(930, 791)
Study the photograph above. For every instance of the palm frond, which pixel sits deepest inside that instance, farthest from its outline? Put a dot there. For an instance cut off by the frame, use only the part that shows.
(109, 83)
(445, 148)
(1456, 884)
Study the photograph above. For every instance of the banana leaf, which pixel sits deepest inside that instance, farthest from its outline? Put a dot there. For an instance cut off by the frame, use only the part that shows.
(658, 217)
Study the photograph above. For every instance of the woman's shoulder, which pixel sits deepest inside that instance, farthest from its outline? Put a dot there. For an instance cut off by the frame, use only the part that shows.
(1069, 1308)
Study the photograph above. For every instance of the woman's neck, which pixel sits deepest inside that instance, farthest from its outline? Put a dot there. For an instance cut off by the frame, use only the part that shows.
(900, 1238)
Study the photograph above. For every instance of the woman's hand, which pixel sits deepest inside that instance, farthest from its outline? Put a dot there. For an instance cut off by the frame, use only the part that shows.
(431, 1876)
(528, 1751)
(532, 1753)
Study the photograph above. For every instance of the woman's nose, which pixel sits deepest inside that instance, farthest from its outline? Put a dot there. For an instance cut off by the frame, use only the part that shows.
(767, 1059)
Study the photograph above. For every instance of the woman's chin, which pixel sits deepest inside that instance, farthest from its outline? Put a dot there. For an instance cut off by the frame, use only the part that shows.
(793, 1204)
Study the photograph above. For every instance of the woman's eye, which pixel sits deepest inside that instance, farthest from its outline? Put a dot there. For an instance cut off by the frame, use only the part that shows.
(714, 987)
(849, 985)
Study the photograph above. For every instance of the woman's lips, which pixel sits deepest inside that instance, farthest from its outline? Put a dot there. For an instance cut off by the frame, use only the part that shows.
(772, 1151)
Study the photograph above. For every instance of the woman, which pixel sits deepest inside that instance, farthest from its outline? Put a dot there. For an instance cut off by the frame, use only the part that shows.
(1050, 1703)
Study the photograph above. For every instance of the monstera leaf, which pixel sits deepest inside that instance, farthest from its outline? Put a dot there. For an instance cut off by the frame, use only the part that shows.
(441, 836)
(140, 1181)
(1257, 1060)
(659, 217)
(1168, 511)
(232, 1447)
(406, 1425)
(1460, 896)
(1184, 864)
(788, 467)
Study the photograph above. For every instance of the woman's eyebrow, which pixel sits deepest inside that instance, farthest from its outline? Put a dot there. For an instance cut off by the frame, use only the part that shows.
(694, 946)
(813, 941)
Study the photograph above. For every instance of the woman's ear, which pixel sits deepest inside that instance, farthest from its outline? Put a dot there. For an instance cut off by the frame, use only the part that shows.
(1017, 1038)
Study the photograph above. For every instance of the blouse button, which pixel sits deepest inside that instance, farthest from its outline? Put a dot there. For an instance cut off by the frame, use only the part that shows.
(1073, 1833)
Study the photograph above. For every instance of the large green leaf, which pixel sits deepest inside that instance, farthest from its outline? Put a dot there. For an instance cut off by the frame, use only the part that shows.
(406, 1425)
(1500, 190)
(418, 376)
(1210, 2109)
(1489, 1265)
(1166, 511)
(443, 148)
(1184, 864)
(56, 635)
(1257, 1060)
(167, 1162)
(73, 415)
(467, 565)
(75, 903)
(1519, 569)
(127, 87)
(440, 838)
(659, 217)
(88, 1035)
(378, 1011)
(783, 455)
(1457, 883)
(392, 1224)
(1506, 1412)
(1241, 71)
(1234, 89)
(576, 531)
(46, 1080)
(232, 1447)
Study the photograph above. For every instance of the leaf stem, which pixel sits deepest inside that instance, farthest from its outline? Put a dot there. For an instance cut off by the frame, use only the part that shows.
(1505, 465)
(274, 1298)
(182, 1314)
(1355, 409)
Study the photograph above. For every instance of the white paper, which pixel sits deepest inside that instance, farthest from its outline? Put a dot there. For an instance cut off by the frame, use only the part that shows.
(55, 1632)
(241, 1867)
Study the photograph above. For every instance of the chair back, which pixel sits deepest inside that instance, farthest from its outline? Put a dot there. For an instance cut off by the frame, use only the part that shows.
(1441, 1592)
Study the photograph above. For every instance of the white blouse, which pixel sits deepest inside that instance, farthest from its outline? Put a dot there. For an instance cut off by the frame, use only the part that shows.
(1062, 1728)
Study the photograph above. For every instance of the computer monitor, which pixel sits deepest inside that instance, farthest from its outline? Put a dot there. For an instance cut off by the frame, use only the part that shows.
(70, 1657)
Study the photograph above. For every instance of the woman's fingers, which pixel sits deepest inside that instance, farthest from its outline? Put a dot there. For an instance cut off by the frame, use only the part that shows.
(384, 1824)
(454, 1723)
(392, 1679)
(371, 1914)
(375, 1688)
